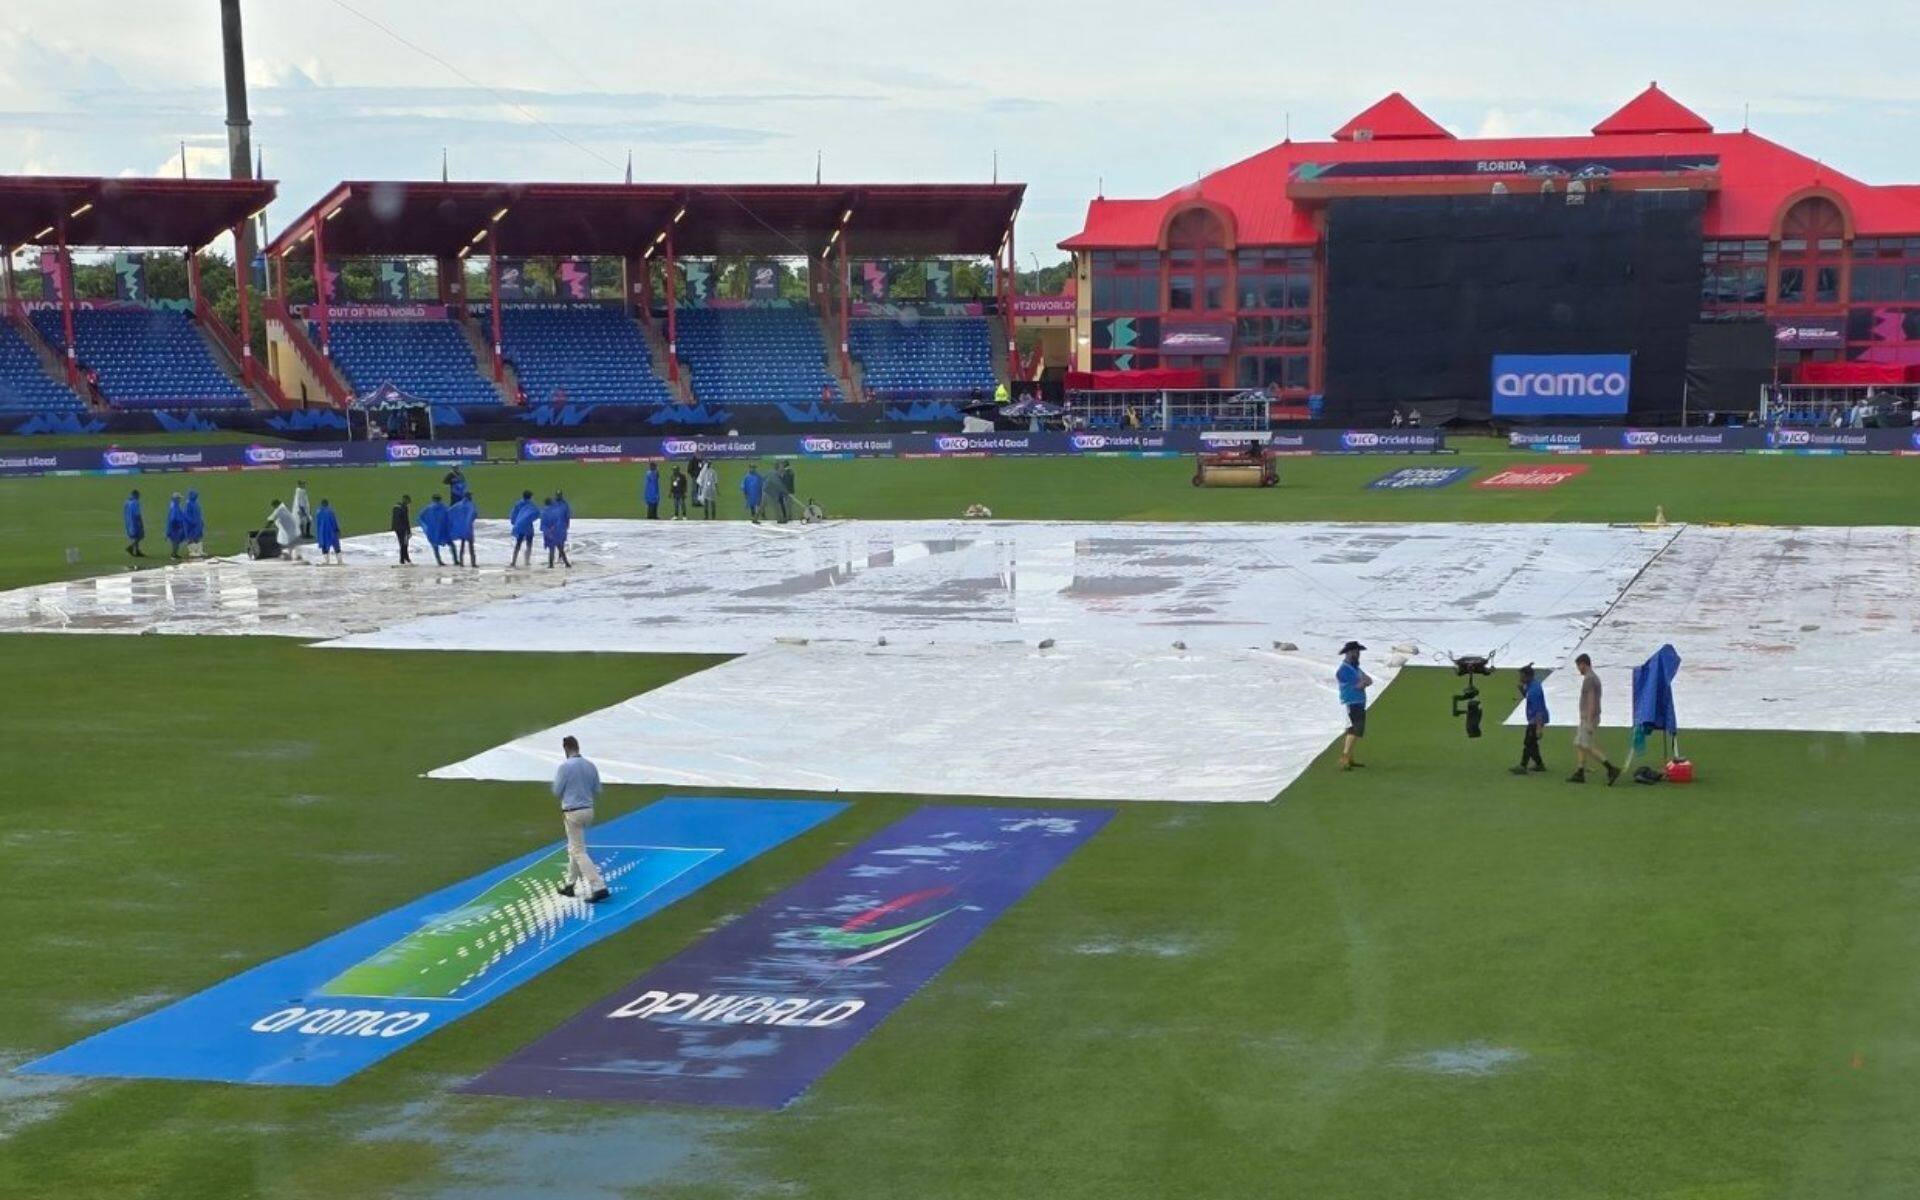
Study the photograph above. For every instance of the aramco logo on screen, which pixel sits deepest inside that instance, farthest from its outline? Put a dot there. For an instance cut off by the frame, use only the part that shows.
(865, 935)
(1545, 385)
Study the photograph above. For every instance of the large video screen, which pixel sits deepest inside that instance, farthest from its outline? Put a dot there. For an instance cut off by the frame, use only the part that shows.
(1423, 292)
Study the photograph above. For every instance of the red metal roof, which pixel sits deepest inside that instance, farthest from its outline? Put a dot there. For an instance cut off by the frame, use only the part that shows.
(775, 220)
(1653, 111)
(1757, 177)
(145, 213)
(1390, 119)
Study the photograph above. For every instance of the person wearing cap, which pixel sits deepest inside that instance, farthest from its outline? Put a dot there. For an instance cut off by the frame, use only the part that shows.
(1536, 701)
(1353, 684)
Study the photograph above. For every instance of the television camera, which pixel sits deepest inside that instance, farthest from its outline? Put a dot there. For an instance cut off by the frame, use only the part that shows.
(1467, 703)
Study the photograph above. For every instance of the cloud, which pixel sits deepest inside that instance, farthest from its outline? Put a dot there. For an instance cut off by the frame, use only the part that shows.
(203, 162)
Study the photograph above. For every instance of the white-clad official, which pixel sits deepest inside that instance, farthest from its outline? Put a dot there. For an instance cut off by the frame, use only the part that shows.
(576, 783)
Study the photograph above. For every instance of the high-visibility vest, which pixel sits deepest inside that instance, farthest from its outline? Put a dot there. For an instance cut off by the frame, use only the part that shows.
(1001, 395)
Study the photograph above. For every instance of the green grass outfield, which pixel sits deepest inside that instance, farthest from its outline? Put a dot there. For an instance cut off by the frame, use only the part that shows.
(1425, 980)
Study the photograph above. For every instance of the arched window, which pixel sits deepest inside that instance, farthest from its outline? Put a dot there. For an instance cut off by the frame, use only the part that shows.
(1812, 253)
(1196, 262)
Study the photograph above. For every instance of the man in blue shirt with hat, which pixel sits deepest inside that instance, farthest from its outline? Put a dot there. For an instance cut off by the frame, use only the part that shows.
(1353, 684)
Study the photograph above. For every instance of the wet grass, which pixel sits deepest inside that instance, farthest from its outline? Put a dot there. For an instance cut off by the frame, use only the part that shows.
(1425, 979)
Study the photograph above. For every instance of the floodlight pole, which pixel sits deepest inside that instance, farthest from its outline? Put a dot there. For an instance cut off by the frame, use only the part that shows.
(239, 128)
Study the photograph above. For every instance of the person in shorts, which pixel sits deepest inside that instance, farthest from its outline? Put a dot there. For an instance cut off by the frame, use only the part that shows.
(1353, 683)
(1586, 735)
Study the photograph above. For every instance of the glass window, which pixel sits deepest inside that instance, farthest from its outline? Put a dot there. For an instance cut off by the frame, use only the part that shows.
(1180, 254)
(1911, 291)
(1215, 291)
(1299, 290)
(1793, 285)
(1294, 373)
(1826, 285)
(1753, 285)
(1104, 299)
(1180, 291)
(1828, 245)
(1793, 245)
(1103, 258)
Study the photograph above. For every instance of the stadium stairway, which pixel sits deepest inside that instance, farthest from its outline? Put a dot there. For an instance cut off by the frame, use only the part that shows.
(478, 338)
(680, 389)
(31, 375)
(147, 358)
(755, 356)
(997, 346)
(854, 384)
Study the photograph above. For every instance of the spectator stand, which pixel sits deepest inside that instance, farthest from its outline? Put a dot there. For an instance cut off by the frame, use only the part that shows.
(668, 241)
(148, 352)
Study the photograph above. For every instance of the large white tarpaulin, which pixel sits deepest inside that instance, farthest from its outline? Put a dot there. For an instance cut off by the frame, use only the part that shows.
(1777, 628)
(298, 598)
(1077, 722)
(1533, 589)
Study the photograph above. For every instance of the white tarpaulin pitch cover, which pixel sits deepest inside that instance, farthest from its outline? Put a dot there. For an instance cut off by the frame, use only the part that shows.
(1777, 628)
(1079, 722)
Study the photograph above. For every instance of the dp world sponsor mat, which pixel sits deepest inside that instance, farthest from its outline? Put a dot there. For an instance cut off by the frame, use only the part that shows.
(323, 1013)
(753, 1014)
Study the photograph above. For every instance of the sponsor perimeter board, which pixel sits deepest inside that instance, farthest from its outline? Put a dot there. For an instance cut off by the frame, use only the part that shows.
(319, 1015)
(750, 1016)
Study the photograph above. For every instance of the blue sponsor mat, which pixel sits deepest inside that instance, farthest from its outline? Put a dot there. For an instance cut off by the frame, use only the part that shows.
(320, 1014)
(754, 1013)
(1411, 478)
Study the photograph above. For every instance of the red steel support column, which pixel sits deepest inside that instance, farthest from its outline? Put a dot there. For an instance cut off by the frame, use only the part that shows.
(1013, 289)
(320, 286)
(64, 264)
(193, 277)
(673, 322)
(244, 318)
(846, 306)
(493, 295)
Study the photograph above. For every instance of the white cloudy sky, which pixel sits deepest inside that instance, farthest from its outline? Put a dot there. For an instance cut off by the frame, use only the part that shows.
(1141, 95)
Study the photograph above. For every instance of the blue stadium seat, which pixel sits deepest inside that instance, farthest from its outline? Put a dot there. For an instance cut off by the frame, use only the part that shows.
(923, 358)
(586, 354)
(430, 359)
(145, 358)
(24, 386)
(754, 355)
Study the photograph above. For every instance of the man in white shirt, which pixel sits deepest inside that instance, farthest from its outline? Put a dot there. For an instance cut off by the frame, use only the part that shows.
(577, 783)
(302, 509)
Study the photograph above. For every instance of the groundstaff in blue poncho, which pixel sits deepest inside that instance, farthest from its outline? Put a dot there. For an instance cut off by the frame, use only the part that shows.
(523, 517)
(135, 523)
(196, 526)
(326, 532)
(176, 524)
(433, 527)
(555, 516)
